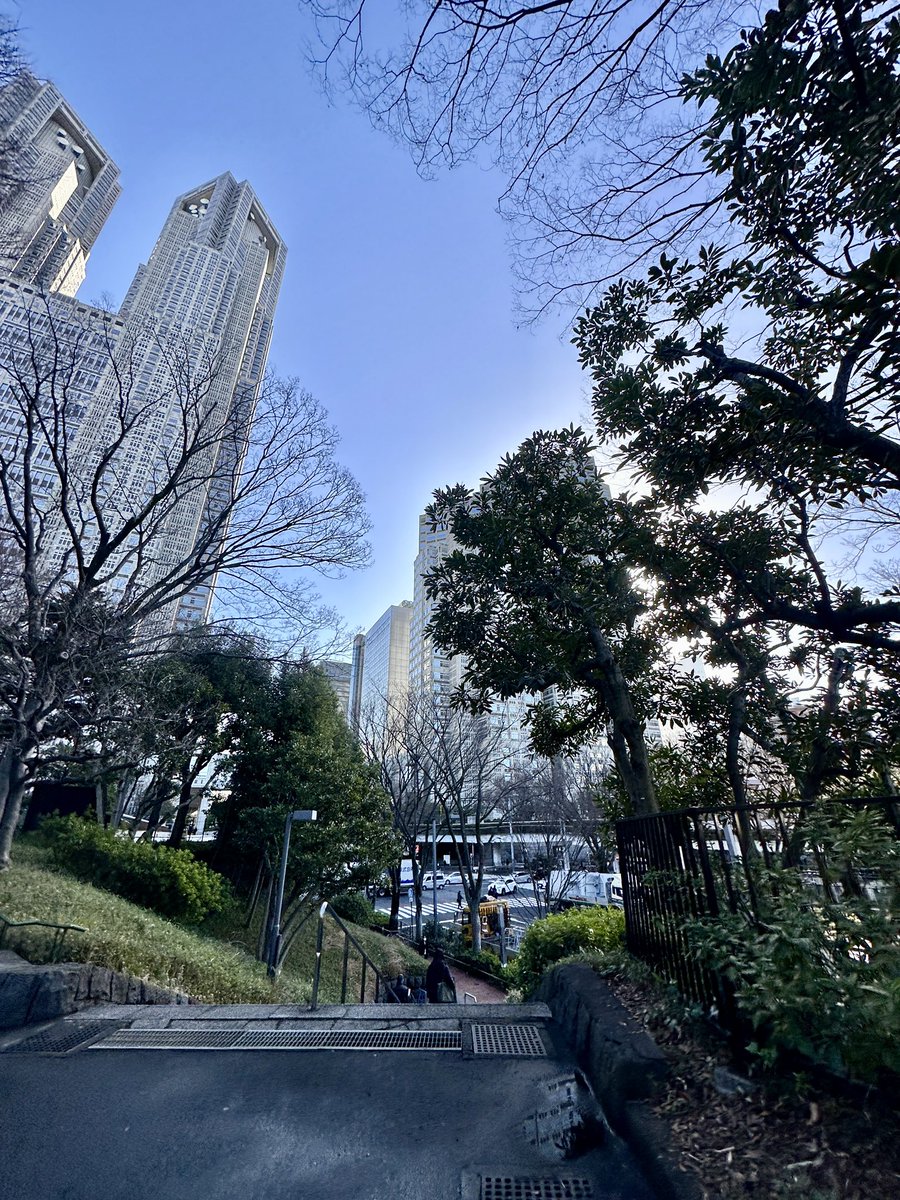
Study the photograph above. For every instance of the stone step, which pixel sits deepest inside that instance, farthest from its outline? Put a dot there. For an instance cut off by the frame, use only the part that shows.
(281, 1016)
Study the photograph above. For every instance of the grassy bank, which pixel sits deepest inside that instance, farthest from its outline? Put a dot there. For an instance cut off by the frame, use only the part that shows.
(214, 965)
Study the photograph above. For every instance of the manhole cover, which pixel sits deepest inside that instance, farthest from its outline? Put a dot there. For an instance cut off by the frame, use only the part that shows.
(60, 1039)
(508, 1039)
(512, 1187)
(281, 1039)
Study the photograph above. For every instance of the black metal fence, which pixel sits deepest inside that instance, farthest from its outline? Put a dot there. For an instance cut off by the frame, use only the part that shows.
(702, 863)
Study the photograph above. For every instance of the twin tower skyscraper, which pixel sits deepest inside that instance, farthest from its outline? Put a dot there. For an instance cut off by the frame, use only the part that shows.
(210, 286)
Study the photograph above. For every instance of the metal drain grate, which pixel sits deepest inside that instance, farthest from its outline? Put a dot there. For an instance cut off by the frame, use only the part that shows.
(59, 1040)
(281, 1039)
(509, 1187)
(508, 1039)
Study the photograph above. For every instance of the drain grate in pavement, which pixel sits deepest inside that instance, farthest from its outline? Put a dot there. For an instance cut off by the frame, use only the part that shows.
(508, 1039)
(511, 1187)
(281, 1039)
(59, 1040)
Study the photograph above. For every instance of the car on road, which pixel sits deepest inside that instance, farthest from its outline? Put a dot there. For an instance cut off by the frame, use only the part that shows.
(523, 877)
(439, 881)
(453, 879)
(505, 885)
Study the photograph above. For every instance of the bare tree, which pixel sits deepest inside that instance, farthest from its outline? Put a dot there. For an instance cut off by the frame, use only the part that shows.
(471, 763)
(577, 102)
(391, 736)
(98, 554)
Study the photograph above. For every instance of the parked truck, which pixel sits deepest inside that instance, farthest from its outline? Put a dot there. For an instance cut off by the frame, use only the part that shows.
(569, 888)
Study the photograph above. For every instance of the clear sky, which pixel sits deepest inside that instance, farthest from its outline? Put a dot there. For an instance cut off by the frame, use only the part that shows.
(397, 306)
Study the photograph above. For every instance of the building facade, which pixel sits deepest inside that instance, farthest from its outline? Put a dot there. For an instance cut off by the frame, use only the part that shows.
(197, 327)
(182, 361)
(63, 188)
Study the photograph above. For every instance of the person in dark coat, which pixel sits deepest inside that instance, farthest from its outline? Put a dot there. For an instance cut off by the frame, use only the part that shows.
(438, 972)
(401, 991)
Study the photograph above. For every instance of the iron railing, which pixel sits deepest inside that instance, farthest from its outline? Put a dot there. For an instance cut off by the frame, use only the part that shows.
(368, 967)
(696, 863)
(59, 932)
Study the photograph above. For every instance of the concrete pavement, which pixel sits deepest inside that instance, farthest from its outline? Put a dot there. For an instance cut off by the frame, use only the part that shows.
(502, 1112)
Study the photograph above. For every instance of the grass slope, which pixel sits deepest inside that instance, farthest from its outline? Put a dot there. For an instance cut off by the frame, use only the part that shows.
(216, 969)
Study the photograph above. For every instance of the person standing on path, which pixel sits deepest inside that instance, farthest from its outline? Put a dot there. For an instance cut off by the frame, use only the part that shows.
(438, 973)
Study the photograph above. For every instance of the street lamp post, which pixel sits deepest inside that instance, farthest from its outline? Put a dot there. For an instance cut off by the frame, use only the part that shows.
(303, 814)
(434, 915)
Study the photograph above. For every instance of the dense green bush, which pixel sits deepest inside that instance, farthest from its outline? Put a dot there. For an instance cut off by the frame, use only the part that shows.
(564, 934)
(171, 882)
(355, 907)
(819, 973)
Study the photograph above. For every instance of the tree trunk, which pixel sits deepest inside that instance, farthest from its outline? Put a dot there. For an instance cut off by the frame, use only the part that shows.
(626, 737)
(184, 804)
(16, 787)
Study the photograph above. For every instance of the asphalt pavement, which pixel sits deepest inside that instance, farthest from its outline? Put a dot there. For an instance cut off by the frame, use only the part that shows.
(463, 1123)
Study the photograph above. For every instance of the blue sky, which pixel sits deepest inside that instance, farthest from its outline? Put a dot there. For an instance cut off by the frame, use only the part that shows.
(397, 306)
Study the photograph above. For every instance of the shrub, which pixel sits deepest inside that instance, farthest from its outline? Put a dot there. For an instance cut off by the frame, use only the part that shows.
(171, 882)
(819, 974)
(353, 906)
(564, 934)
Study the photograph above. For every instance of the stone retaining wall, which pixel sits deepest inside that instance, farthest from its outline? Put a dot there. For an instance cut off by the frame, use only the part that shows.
(623, 1065)
(31, 992)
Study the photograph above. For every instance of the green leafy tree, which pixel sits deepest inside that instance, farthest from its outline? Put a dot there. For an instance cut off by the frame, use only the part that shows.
(296, 752)
(541, 595)
(197, 691)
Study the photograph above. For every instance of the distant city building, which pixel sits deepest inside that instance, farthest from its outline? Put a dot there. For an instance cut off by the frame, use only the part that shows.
(357, 668)
(381, 663)
(431, 671)
(338, 675)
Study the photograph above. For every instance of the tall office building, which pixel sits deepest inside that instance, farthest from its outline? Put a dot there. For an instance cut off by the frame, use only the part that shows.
(61, 187)
(385, 662)
(338, 675)
(198, 315)
(431, 671)
(58, 186)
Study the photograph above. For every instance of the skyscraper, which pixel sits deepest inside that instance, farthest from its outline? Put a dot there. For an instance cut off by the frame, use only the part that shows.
(206, 298)
(63, 188)
(431, 671)
(58, 187)
(380, 668)
(186, 352)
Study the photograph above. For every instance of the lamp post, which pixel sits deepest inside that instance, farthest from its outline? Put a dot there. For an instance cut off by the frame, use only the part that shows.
(303, 814)
(434, 916)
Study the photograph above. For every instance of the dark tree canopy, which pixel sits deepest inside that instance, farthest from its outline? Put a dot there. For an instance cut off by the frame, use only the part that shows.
(540, 596)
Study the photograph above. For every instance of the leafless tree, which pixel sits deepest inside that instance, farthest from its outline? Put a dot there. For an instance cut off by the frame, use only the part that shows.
(472, 765)
(560, 811)
(577, 102)
(391, 736)
(98, 554)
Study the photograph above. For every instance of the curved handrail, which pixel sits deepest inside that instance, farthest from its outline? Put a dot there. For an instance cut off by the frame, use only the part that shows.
(59, 929)
(367, 964)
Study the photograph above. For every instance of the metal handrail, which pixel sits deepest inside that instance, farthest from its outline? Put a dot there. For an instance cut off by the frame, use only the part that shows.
(349, 940)
(7, 923)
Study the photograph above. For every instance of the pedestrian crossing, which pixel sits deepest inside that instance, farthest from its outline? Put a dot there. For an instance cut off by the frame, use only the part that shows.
(522, 910)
